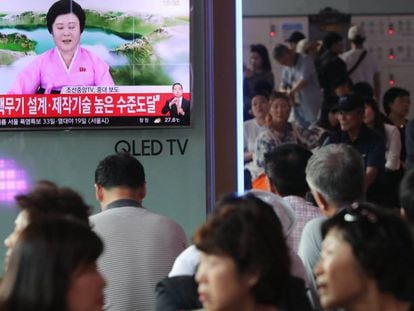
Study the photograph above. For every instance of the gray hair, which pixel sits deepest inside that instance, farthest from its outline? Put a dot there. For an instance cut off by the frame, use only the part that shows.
(337, 172)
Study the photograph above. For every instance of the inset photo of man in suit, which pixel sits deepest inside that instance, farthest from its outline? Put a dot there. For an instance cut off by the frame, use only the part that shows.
(178, 106)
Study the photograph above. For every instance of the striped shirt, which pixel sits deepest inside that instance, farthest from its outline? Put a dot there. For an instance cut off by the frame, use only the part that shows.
(140, 249)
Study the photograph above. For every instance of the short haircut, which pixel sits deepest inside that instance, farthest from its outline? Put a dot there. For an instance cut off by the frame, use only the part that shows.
(48, 200)
(62, 7)
(43, 262)
(285, 167)
(120, 170)
(280, 50)
(248, 230)
(390, 95)
(337, 172)
(261, 50)
(407, 194)
(177, 83)
(330, 39)
(382, 244)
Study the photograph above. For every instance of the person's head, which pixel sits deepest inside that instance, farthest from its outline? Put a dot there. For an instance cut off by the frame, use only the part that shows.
(53, 267)
(177, 89)
(333, 42)
(260, 105)
(342, 86)
(46, 200)
(350, 112)
(328, 119)
(119, 176)
(307, 47)
(363, 89)
(407, 195)
(239, 261)
(66, 21)
(396, 101)
(372, 116)
(279, 109)
(285, 168)
(283, 55)
(356, 35)
(367, 252)
(259, 58)
(294, 39)
(335, 174)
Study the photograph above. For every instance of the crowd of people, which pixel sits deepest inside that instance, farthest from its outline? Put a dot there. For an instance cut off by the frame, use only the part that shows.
(262, 250)
(328, 224)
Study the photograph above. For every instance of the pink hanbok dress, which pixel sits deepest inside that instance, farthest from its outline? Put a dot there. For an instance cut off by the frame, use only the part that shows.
(49, 72)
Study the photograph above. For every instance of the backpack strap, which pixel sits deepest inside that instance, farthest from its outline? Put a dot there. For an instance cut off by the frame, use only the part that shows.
(360, 59)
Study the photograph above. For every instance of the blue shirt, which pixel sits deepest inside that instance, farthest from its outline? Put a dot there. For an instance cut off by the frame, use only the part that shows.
(369, 144)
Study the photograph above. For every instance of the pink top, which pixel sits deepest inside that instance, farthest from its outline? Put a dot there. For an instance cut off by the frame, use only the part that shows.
(304, 211)
(49, 71)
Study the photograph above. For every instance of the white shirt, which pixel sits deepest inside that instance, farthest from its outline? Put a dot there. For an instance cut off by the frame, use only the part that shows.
(251, 129)
(392, 147)
(365, 70)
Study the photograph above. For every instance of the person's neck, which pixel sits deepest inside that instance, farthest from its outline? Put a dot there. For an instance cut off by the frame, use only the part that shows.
(260, 121)
(353, 133)
(356, 46)
(258, 70)
(279, 127)
(251, 305)
(120, 194)
(67, 57)
(370, 124)
(397, 120)
(375, 300)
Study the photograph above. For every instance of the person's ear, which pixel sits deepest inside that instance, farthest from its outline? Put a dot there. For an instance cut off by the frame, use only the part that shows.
(271, 186)
(321, 201)
(252, 277)
(143, 191)
(402, 212)
(99, 193)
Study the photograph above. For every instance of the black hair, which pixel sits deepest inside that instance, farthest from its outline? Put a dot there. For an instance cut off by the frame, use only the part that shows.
(62, 7)
(240, 228)
(177, 83)
(382, 244)
(264, 55)
(280, 50)
(342, 81)
(378, 125)
(46, 256)
(330, 39)
(329, 102)
(390, 95)
(120, 170)
(407, 194)
(285, 167)
(363, 89)
(358, 40)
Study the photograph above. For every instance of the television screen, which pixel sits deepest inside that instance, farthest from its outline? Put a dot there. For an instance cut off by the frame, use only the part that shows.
(94, 64)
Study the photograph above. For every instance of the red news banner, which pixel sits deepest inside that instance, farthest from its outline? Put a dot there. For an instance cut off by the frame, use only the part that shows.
(101, 106)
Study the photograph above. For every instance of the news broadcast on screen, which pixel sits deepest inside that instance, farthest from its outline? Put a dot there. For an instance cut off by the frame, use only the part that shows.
(94, 64)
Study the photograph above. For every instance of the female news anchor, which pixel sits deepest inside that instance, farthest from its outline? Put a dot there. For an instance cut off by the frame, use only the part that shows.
(68, 64)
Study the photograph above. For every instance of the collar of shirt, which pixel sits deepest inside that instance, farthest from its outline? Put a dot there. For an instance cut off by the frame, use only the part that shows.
(123, 203)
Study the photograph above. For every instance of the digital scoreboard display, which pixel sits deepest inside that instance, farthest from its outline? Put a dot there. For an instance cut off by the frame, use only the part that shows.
(94, 64)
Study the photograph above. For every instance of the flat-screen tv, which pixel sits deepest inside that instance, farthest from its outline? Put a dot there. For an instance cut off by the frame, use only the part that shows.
(94, 64)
